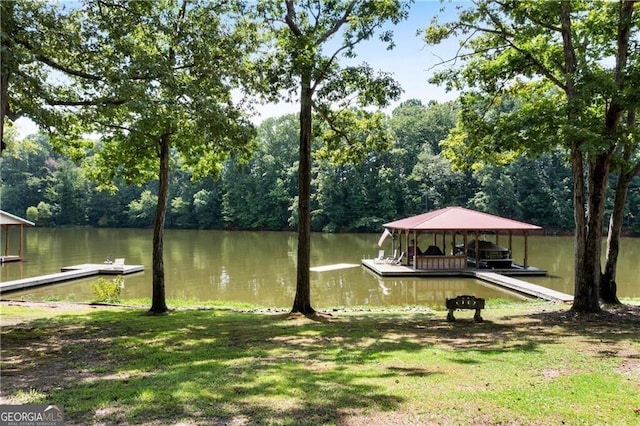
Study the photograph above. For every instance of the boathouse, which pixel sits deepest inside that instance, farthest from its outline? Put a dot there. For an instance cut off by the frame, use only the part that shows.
(456, 241)
(455, 238)
(8, 222)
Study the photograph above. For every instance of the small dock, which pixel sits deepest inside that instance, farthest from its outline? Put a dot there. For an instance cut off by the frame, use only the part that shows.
(522, 287)
(70, 273)
(495, 277)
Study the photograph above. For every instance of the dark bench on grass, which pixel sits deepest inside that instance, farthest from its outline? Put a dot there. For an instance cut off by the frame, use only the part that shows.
(465, 302)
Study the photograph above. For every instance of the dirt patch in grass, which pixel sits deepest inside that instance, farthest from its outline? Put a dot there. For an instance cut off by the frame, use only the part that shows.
(16, 312)
(619, 314)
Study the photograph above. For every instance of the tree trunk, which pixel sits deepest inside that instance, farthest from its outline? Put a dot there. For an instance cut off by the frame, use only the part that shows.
(8, 26)
(614, 112)
(4, 106)
(608, 286)
(587, 273)
(302, 301)
(583, 298)
(158, 299)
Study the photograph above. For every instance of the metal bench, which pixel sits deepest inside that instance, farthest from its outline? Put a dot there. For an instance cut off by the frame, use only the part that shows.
(465, 302)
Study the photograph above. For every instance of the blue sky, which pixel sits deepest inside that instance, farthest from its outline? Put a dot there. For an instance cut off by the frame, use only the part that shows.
(411, 62)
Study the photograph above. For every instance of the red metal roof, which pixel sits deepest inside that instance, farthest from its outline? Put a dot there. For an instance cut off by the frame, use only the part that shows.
(459, 218)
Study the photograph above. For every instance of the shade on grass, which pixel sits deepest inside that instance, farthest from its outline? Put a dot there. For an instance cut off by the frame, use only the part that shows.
(208, 366)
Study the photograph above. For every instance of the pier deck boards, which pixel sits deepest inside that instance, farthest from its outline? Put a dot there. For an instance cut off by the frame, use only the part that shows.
(495, 277)
(69, 273)
(523, 287)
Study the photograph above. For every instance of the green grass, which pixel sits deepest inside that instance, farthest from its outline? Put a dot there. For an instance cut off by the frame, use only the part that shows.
(193, 304)
(220, 366)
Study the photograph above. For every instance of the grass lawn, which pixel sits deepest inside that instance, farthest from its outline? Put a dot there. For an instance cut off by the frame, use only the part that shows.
(527, 364)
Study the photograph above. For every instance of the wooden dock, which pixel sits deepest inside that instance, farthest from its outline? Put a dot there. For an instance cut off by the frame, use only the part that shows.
(495, 277)
(70, 273)
(523, 287)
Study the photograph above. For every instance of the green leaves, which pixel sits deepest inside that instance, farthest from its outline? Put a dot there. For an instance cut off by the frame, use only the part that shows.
(164, 69)
(515, 57)
(349, 135)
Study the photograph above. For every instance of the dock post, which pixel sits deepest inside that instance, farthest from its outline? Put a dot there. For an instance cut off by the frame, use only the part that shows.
(526, 254)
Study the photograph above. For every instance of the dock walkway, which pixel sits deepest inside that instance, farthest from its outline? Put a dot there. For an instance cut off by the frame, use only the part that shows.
(523, 287)
(497, 278)
(70, 273)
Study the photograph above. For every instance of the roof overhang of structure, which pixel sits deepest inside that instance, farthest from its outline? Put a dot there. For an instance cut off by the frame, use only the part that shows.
(9, 219)
(459, 219)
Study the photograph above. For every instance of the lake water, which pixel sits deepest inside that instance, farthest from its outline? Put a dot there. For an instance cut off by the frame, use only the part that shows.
(260, 267)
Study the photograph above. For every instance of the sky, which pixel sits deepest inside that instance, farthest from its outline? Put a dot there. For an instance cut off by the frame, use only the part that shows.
(411, 62)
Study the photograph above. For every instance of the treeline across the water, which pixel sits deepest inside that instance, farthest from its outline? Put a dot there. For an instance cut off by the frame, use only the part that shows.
(409, 178)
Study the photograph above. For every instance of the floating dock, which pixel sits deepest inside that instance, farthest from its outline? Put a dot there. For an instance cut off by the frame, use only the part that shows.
(495, 277)
(70, 273)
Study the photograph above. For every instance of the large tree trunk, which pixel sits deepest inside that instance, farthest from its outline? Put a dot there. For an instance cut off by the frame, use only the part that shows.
(587, 273)
(585, 297)
(608, 287)
(302, 300)
(158, 299)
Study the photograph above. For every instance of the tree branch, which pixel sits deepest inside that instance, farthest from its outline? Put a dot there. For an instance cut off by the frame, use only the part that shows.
(330, 122)
(324, 71)
(338, 23)
(345, 46)
(507, 37)
(614, 110)
(66, 70)
(508, 6)
(57, 102)
(289, 19)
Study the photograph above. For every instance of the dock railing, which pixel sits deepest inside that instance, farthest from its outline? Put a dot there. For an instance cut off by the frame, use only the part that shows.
(441, 262)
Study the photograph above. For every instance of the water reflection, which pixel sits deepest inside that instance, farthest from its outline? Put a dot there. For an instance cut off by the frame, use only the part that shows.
(259, 267)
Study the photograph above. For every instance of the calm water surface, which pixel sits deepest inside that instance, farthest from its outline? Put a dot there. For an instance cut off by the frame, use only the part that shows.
(259, 267)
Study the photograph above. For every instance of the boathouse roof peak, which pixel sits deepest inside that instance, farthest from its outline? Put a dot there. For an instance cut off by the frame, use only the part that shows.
(459, 218)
